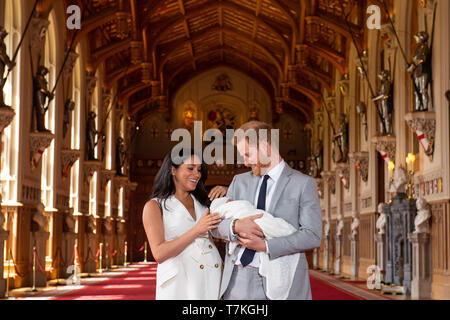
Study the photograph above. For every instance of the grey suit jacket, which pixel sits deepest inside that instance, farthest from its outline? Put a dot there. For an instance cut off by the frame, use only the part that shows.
(296, 201)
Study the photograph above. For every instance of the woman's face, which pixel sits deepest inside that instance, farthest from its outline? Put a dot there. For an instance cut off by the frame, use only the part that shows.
(188, 174)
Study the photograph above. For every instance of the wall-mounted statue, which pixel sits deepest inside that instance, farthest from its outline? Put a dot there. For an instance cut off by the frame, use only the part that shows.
(420, 69)
(423, 215)
(40, 97)
(91, 136)
(5, 62)
(386, 105)
(381, 221)
(318, 157)
(69, 106)
(121, 155)
(341, 140)
(361, 108)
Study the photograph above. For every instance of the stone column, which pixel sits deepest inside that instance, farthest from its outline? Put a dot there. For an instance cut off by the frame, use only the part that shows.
(338, 256)
(326, 256)
(381, 253)
(355, 257)
(421, 265)
(90, 246)
(316, 259)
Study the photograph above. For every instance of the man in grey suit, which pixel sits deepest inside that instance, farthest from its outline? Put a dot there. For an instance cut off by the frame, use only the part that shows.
(283, 192)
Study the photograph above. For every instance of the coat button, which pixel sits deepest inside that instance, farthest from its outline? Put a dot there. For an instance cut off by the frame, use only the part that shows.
(216, 265)
(232, 261)
(210, 246)
(202, 266)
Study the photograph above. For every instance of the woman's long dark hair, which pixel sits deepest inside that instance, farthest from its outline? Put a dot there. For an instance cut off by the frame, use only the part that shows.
(164, 187)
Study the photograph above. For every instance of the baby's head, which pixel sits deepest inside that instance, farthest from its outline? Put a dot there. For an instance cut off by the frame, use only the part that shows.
(217, 203)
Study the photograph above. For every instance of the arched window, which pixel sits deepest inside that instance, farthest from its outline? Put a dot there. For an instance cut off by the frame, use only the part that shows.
(48, 157)
(10, 135)
(75, 131)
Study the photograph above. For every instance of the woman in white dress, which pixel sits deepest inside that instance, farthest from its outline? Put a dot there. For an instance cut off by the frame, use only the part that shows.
(177, 223)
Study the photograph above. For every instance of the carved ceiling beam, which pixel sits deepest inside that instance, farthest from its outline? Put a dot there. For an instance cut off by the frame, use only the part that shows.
(336, 25)
(103, 53)
(255, 25)
(216, 5)
(188, 33)
(112, 78)
(311, 94)
(336, 60)
(303, 108)
(95, 21)
(236, 34)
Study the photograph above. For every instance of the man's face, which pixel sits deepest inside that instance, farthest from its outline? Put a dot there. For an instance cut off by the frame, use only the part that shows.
(254, 158)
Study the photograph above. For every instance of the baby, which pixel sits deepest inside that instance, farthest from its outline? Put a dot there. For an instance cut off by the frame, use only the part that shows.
(279, 272)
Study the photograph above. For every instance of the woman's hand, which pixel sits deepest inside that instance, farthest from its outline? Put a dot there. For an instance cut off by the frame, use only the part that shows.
(217, 192)
(207, 222)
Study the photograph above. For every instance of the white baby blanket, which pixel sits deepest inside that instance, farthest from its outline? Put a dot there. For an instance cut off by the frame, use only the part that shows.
(279, 273)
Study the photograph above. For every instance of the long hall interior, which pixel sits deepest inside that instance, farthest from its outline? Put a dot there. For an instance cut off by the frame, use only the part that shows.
(91, 92)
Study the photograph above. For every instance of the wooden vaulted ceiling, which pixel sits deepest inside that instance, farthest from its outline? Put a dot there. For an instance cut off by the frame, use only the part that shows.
(151, 47)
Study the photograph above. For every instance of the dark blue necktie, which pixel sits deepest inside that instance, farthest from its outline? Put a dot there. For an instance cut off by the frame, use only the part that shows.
(249, 254)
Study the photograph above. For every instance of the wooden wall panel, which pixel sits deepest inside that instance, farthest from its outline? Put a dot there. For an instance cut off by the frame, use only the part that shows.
(440, 250)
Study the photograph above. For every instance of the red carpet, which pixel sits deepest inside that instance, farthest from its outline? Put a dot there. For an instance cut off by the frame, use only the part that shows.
(139, 284)
(322, 290)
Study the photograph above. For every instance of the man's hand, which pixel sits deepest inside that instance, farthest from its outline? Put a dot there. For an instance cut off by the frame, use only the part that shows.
(249, 227)
(217, 192)
(252, 242)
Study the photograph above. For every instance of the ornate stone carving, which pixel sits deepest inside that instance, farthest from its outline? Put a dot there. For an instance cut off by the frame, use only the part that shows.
(386, 147)
(90, 167)
(105, 176)
(39, 217)
(423, 216)
(39, 141)
(423, 124)
(108, 224)
(355, 224)
(68, 158)
(400, 181)
(7, 115)
(91, 225)
(70, 64)
(39, 27)
(331, 103)
(69, 221)
(343, 171)
(131, 186)
(361, 161)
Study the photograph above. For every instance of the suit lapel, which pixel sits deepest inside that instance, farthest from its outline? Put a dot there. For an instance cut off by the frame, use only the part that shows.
(253, 185)
(280, 185)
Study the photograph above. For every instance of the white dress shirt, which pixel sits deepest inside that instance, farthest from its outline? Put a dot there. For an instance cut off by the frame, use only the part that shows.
(274, 174)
